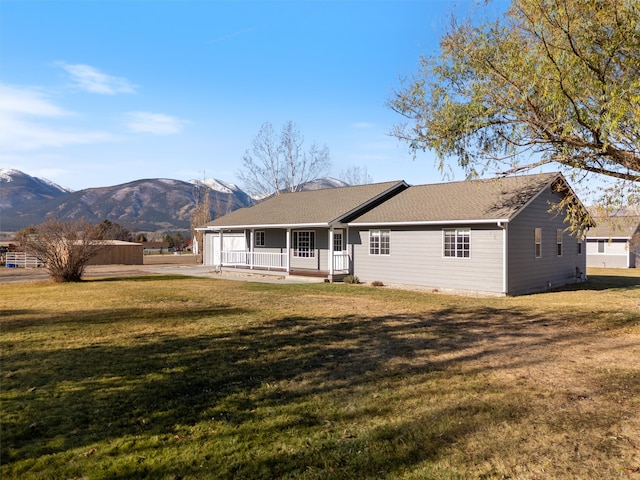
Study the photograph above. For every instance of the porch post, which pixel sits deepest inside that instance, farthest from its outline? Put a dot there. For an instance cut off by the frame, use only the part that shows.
(251, 243)
(345, 248)
(330, 256)
(288, 250)
(220, 237)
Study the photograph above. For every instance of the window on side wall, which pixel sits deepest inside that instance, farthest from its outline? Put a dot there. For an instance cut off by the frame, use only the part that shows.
(579, 248)
(304, 244)
(457, 243)
(601, 246)
(259, 238)
(379, 242)
(538, 242)
(559, 242)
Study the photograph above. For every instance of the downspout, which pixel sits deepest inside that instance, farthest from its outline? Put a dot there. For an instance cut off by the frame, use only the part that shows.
(505, 256)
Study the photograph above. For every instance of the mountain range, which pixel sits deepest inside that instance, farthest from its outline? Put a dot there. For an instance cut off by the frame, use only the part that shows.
(156, 205)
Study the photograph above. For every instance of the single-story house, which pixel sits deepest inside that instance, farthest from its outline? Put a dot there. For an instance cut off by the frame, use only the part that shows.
(495, 236)
(611, 244)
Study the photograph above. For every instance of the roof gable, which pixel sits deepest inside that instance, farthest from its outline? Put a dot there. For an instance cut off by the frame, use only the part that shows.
(472, 200)
(313, 207)
(615, 227)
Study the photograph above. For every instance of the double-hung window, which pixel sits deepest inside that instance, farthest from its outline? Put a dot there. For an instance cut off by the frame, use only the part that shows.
(538, 242)
(379, 242)
(457, 242)
(259, 238)
(601, 246)
(304, 244)
(559, 242)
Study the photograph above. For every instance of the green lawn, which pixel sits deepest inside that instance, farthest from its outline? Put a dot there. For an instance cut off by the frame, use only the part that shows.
(168, 377)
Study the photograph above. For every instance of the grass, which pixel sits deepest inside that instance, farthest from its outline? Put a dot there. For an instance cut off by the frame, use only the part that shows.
(169, 377)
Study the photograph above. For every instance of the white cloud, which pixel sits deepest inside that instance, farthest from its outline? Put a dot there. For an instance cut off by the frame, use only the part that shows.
(93, 80)
(28, 101)
(24, 113)
(155, 123)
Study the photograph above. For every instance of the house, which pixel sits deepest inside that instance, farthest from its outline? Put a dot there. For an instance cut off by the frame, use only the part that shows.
(495, 236)
(611, 244)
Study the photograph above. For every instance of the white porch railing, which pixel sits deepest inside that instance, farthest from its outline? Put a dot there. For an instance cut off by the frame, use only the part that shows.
(340, 262)
(239, 258)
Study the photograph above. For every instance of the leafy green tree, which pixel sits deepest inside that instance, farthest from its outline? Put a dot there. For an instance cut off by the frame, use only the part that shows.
(551, 82)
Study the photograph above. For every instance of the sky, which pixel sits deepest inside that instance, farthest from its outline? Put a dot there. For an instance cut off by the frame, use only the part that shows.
(97, 93)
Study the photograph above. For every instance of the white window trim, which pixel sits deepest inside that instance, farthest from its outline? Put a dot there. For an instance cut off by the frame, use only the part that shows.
(312, 243)
(536, 242)
(379, 235)
(257, 234)
(457, 231)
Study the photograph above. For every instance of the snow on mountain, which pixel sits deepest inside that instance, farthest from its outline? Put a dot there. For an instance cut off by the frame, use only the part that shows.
(217, 185)
(10, 175)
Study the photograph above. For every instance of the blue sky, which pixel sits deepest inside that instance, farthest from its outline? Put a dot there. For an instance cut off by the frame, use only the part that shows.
(97, 93)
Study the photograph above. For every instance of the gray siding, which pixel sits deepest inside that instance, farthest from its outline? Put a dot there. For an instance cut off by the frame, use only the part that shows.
(616, 254)
(416, 258)
(530, 274)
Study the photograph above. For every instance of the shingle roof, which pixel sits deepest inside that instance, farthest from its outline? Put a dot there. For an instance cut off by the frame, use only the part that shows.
(615, 227)
(314, 207)
(493, 199)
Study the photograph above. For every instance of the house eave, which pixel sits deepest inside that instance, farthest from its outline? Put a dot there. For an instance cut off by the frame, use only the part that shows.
(217, 228)
(491, 221)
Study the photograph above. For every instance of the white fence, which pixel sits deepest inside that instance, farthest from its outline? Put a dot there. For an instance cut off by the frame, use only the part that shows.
(22, 260)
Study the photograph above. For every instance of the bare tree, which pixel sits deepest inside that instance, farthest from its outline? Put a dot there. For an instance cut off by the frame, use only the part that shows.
(64, 247)
(356, 175)
(278, 163)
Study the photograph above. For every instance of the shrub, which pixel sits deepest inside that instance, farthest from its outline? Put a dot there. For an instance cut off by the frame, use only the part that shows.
(351, 279)
(377, 283)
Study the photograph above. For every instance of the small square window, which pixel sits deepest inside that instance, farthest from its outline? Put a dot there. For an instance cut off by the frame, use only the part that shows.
(457, 243)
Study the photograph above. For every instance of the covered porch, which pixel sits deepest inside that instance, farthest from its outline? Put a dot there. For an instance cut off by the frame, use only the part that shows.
(312, 252)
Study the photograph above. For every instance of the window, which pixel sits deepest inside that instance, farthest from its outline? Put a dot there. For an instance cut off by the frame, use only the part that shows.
(579, 248)
(538, 240)
(337, 242)
(457, 243)
(259, 238)
(559, 242)
(379, 242)
(600, 246)
(304, 244)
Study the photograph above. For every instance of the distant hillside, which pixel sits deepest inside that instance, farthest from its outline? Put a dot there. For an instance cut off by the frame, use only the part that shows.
(150, 205)
(18, 188)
